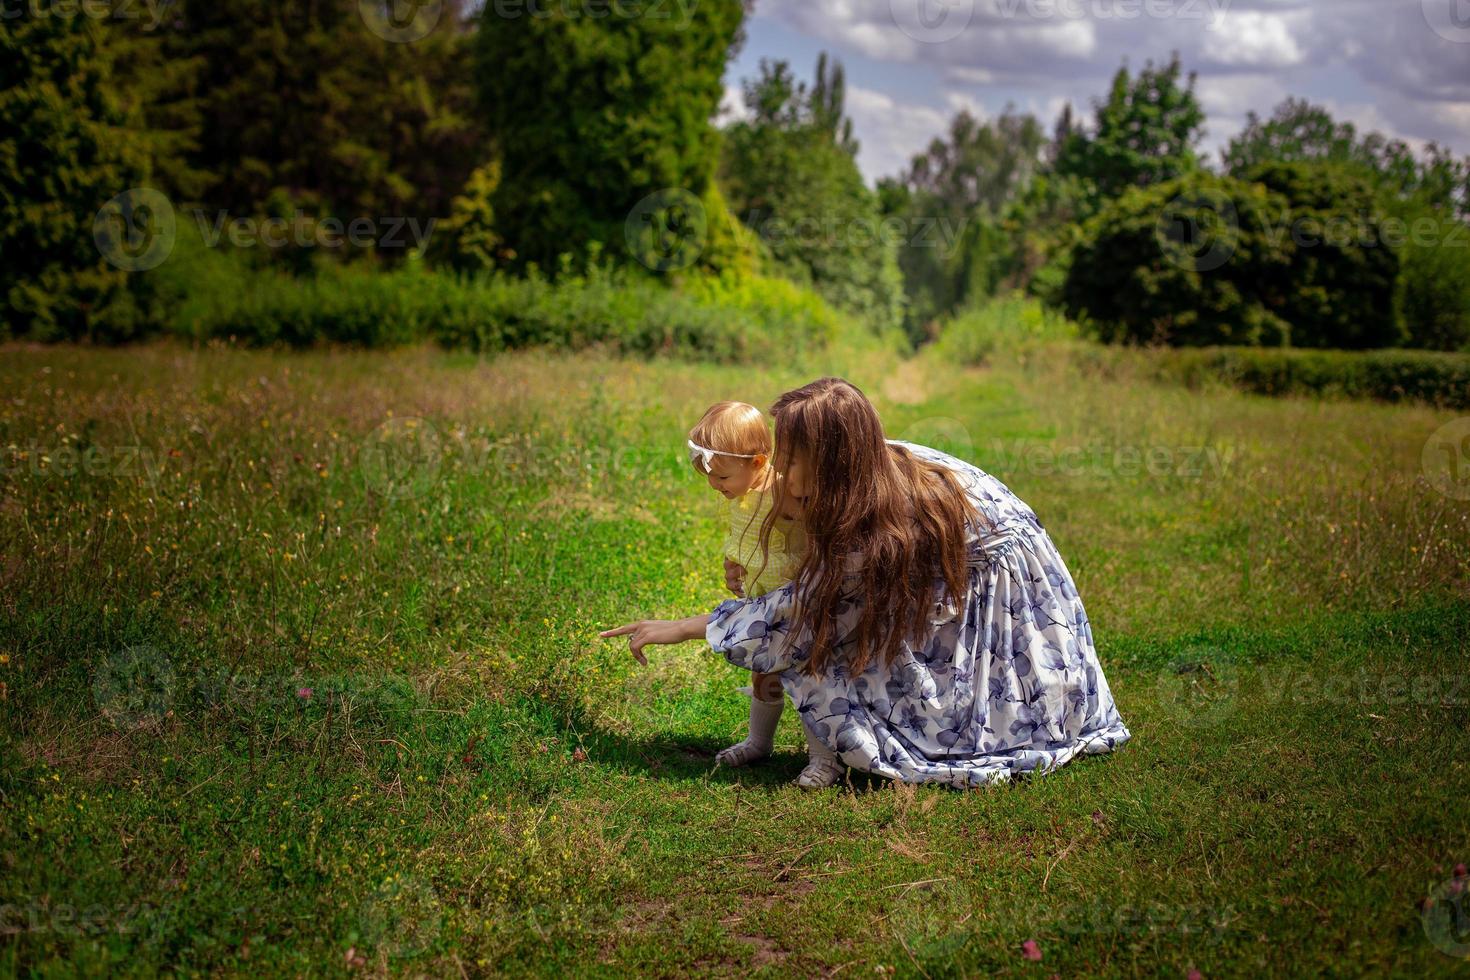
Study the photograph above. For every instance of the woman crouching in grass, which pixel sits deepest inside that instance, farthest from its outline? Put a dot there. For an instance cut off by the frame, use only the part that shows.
(931, 632)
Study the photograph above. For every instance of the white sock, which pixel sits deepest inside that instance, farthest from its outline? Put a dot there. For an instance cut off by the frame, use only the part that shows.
(757, 745)
(815, 749)
(823, 767)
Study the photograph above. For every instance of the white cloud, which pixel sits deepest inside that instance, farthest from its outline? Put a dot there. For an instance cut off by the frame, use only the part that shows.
(732, 106)
(1395, 72)
(1252, 39)
(890, 132)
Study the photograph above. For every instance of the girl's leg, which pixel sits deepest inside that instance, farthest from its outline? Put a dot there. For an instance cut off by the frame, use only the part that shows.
(823, 768)
(766, 702)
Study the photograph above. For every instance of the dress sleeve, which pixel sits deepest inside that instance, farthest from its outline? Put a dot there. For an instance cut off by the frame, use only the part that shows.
(755, 633)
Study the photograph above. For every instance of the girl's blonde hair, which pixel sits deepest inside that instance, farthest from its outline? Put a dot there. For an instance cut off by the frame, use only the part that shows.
(732, 427)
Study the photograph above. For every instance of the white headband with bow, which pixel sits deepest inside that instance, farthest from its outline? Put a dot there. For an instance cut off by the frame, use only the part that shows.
(704, 456)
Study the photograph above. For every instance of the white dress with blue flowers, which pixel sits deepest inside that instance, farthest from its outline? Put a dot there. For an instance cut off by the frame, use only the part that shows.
(1008, 681)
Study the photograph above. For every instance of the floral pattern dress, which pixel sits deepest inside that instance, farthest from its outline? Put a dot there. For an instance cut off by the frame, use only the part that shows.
(1008, 681)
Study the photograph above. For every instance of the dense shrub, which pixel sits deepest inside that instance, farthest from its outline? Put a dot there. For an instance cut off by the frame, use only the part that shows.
(1013, 324)
(1389, 375)
(711, 319)
(1338, 290)
(1294, 256)
(1178, 263)
(1432, 300)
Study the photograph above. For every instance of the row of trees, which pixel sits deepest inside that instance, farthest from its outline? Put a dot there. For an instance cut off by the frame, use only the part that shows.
(550, 139)
(1310, 234)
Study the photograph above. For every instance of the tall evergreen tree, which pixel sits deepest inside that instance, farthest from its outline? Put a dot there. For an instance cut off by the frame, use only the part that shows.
(594, 115)
(69, 146)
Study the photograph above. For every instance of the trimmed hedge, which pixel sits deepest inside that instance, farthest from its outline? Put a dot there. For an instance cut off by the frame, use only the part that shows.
(1392, 375)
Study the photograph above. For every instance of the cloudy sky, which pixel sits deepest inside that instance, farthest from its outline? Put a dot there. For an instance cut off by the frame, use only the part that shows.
(1401, 67)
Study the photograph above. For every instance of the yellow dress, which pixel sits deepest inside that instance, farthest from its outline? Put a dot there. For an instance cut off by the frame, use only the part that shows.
(743, 544)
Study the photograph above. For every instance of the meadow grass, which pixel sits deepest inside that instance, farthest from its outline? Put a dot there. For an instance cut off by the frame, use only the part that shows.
(301, 676)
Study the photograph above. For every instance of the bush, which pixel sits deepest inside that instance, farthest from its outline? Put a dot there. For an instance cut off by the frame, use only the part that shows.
(1177, 263)
(1339, 288)
(1388, 375)
(708, 319)
(1294, 255)
(1432, 300)
(1013, 324)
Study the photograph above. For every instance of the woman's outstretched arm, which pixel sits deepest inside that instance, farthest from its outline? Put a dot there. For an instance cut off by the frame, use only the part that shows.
(659, 631)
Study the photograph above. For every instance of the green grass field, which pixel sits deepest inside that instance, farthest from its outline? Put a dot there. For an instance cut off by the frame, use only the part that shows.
(301, 677)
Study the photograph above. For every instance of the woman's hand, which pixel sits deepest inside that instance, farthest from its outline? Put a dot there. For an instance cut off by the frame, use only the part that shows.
(735, 578)
(658, 631)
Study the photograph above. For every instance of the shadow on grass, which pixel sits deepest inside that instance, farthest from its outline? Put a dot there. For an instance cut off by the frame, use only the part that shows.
(693, 759)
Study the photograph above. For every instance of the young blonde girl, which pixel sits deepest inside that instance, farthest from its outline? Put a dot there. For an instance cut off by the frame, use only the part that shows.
(731, 447)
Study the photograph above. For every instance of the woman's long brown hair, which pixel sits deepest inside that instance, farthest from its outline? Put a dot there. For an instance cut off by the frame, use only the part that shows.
(901, 517)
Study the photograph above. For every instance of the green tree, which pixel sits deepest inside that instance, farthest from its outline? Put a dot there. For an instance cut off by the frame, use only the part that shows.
(958, 189)
(1146, 132)
(1292, 256)
(1177, 264)
(790, 175)
(1339, 288)
(594, 115)
(306, 105)
(70, 145)
(1299, 131)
